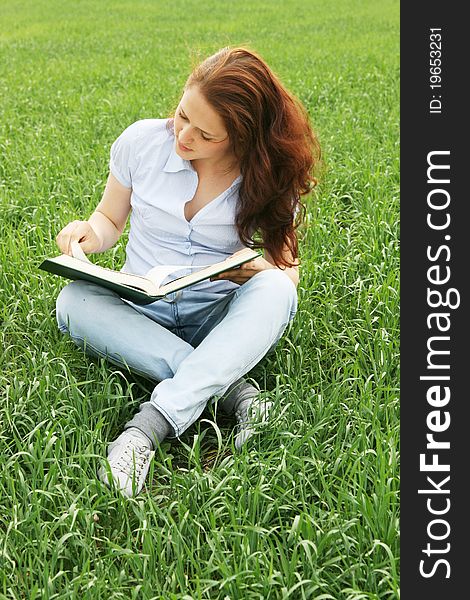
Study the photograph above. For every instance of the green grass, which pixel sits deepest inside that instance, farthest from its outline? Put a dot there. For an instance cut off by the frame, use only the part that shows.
(311, 509)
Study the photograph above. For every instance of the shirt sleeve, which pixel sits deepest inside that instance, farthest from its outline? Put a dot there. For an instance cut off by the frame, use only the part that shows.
(122, 156)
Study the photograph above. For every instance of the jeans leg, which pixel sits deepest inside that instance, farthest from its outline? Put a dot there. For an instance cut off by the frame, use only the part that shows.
(255, 319)
(101, 323)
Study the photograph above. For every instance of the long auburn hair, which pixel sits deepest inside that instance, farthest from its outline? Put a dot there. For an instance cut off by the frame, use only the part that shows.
(272, 139)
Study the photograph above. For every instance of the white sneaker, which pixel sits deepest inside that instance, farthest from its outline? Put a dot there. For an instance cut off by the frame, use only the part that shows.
(129, 459)
(247, 424)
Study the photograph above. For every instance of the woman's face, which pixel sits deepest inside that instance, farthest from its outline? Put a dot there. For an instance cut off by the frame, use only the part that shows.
(200, 130)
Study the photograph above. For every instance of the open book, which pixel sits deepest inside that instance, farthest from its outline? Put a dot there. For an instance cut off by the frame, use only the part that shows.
(137, 288)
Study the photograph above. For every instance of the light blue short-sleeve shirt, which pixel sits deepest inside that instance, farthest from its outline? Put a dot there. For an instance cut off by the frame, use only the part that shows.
(144, 158)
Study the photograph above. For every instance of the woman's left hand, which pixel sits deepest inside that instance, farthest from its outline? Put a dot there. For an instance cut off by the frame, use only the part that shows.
(246, 271)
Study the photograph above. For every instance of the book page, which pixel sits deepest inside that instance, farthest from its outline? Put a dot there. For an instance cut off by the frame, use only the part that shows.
(81, 266)
(158, 274)
(150, 286)
(77, 252)
(205, 272)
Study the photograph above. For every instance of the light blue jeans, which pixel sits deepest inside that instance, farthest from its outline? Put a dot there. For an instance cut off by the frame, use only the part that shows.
(195, 344)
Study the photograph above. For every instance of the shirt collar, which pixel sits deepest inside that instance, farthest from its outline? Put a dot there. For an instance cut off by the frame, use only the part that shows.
(175, 163)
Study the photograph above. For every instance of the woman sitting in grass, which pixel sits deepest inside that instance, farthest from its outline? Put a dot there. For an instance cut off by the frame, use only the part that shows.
(230, 166)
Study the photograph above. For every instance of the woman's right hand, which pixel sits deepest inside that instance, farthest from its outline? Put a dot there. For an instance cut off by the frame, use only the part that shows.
(79, 231)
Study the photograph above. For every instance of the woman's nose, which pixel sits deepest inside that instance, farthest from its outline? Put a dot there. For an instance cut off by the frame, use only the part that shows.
(185, 134)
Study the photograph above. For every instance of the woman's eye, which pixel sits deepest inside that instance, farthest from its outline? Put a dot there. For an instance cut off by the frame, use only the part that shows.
(185, 119)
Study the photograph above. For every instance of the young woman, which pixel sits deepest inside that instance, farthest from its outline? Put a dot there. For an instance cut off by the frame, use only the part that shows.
(226, 172)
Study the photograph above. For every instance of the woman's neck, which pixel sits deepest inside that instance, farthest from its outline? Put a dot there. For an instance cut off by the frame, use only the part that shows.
(215, 171)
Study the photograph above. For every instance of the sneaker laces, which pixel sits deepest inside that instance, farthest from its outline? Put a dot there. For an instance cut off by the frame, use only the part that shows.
(257, 411)
(133, 458)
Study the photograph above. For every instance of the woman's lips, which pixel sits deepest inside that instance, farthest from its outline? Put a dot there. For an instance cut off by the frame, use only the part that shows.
(184, 148)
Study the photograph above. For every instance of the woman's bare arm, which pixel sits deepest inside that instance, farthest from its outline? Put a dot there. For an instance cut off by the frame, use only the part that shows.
(105, 225)
(292, 272)
(110, 216)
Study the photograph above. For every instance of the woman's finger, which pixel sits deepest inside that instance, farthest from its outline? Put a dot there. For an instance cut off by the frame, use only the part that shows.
(63, 237)
(65, 230)
(228, 274)
(80, 233)
(234, 275)
(73, 231)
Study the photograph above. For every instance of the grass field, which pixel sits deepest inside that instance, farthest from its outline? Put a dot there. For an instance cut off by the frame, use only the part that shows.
(311, 508)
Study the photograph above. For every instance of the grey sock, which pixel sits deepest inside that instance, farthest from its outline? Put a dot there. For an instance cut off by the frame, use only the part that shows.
(151, 422)
(238, 397)
(242, 400)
